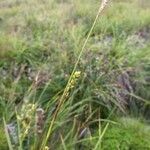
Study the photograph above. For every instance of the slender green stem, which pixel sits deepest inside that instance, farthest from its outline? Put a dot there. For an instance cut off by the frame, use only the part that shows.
(62, 99)
(7, 135)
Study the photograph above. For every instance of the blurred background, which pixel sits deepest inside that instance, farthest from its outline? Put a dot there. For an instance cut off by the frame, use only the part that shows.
(107, 103)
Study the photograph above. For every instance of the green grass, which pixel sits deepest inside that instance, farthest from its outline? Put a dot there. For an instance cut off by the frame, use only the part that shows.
(129, 134)
(3, 140)
(40, 43)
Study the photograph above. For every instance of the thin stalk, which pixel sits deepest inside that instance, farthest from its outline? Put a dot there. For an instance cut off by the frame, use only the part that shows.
(62, 99)
(7, 135)
(98, 145)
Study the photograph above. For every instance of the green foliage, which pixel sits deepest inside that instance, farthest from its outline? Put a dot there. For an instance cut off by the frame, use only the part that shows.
(40, 42)
(129, 134)
(3, 140)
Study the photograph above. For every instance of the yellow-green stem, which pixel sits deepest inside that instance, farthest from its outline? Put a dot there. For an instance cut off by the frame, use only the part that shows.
(62, 99)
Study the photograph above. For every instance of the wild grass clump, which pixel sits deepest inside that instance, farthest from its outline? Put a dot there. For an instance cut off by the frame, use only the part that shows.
(67, 78)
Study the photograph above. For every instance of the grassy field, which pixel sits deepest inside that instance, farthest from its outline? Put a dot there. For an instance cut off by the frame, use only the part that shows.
(69, 81)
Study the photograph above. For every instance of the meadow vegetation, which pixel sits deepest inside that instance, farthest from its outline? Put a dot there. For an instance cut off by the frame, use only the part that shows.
(106, 103)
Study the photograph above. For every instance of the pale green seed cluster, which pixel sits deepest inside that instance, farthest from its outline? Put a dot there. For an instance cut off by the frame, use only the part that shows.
(26, 116)
(46, 148)
(73, 81)
(75, 77)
